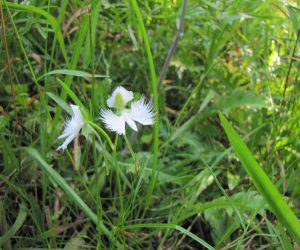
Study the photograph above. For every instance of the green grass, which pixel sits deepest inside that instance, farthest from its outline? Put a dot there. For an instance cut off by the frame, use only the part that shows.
(193, 180)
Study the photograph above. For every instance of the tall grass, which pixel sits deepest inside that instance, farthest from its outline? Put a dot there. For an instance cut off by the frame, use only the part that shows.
(179, 184)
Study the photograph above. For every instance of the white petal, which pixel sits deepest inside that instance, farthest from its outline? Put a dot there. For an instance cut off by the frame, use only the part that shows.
(63, 146)
(127, 96)
(130, 122)
(77, 113)
(113, 122)
(72, 127)
(141, 112)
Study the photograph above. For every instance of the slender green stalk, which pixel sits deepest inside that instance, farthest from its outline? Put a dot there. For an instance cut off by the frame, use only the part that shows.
(102, 132)
(136, 162)
(155, 98)
(118, 175)
(91, 49)
(262, 182)
(8, 62)
(292, 59)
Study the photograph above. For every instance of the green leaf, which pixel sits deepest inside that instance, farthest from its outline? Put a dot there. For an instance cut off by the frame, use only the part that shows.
(249, 201)
(71, 73)
(60, 102)
(293, 17)
(238, 99)
(262, 182)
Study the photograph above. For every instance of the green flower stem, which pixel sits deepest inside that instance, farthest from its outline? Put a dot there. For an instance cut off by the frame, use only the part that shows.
(136, 162)
(101, 131)
(118, 175)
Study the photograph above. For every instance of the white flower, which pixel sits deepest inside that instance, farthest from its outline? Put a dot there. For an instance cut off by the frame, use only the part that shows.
(25, 2)
(140, 111)
(72, 127)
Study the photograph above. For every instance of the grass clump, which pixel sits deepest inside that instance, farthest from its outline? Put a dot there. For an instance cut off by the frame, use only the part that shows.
(180, 183)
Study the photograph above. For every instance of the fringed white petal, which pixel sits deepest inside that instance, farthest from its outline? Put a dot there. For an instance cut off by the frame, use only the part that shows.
(77, 113)
(127, 96)
(63, 146)
(72, 127)
(129, 121)
(113, 122)
(141, 112)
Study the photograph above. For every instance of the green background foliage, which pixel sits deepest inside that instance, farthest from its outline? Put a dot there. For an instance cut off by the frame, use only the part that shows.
(239, 58)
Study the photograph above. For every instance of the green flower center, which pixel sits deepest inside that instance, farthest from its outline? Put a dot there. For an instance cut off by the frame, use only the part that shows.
(119, 103)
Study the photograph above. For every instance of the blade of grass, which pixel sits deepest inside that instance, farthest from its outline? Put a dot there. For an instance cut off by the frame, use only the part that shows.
(171, 226)
(78, 73)
(8, 60)
(74, 98)
(16, 226)
(70, 192)
(89, 49)
(262, 182)
(12, 162)
(155, 99)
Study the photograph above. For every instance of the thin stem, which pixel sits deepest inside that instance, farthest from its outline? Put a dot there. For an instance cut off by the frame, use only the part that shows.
(118, 175)
(173, 47)
(290, 64)
(136, 162)
(101, 131)
(155, 99)
(92, 61)
(12, 90)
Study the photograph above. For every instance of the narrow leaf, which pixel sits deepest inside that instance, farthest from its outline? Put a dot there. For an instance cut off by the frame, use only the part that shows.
(60, 102)
(262, 182)
(74, 98)
(70, 72)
